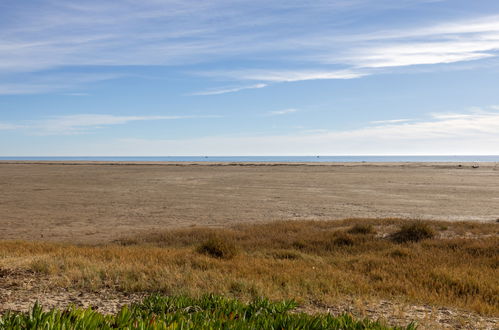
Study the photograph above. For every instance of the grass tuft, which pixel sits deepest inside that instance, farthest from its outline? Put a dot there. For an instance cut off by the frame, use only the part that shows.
(218, 247)
(363, 229)
(413, 232)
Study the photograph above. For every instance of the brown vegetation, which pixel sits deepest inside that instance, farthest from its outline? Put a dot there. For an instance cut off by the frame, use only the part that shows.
(218, 247)
(414, 232)
(311, 261)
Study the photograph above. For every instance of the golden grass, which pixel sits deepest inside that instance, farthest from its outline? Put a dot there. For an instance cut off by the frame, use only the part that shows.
(311, 261)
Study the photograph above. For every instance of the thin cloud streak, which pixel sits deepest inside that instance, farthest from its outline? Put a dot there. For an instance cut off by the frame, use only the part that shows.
(389, 121)
(50, 82)
(85, 123)
(281, 112)
(228, 90)
(277, 76)
(9, 127)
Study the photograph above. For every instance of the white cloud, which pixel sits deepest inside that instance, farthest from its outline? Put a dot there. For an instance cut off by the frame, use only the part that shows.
(472, 133)
(285, 75)
(281, 112)
(84, 123)
(405, 54)
(389, 121)
(136, 33)
(9, 127)
(49, 82)
(448, 42)
(228, 90)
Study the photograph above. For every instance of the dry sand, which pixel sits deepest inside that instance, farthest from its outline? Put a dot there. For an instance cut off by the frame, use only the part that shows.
(97, 202)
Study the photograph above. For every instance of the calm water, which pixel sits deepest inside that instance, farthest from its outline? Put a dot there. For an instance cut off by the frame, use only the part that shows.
(272, 159)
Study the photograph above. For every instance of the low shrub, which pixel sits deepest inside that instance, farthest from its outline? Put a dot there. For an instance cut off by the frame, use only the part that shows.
(413, 232)
(218, 247)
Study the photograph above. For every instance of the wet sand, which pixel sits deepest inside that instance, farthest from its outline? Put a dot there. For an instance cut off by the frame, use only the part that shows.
(92, 202)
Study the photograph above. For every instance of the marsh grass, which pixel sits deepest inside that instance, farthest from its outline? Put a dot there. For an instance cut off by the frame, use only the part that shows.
(309, 261)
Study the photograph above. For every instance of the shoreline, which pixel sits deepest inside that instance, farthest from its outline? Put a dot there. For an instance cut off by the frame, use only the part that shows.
(250, 163)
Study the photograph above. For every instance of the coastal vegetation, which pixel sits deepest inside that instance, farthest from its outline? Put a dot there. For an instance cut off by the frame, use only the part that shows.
(207, 312)
(315, 263)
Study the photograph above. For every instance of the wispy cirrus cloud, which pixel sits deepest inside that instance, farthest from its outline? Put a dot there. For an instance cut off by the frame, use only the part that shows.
(281, 112)
(275, 76)
(62, 34)
(228, 90)
(84, 123)
(438, 43)
(50, 82)
(389, 121)
(9, 127)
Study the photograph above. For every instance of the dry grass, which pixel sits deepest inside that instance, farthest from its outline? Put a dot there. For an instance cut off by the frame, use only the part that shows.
(413, 232)
(311, 261)
(218, 247)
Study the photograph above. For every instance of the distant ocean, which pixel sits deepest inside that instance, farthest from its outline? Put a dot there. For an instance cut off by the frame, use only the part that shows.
(277, 159)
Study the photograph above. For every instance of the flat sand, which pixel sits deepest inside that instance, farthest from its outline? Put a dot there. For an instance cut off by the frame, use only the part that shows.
(90, 202)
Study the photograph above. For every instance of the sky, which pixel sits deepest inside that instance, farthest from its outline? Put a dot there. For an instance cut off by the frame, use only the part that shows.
(234, 77)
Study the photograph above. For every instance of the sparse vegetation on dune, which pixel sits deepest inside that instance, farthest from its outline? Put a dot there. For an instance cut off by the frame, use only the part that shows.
(309, 261)
(208, 312)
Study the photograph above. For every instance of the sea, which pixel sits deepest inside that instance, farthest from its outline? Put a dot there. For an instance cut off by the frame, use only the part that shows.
(271, 159)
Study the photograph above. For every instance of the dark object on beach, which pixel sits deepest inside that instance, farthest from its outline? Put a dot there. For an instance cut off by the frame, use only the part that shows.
(218, 247)
(413, 232)
(459, 165)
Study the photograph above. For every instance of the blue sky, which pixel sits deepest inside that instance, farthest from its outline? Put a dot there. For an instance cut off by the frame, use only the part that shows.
(220, 77)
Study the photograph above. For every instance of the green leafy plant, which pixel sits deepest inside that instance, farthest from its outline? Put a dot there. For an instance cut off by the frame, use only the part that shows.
(181, 312)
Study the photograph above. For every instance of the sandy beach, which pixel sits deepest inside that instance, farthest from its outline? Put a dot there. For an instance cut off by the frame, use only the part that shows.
(92, 202)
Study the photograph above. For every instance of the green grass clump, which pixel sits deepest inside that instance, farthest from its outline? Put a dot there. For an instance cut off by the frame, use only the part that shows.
(413, 232)
(218, 247)
(208, 312)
